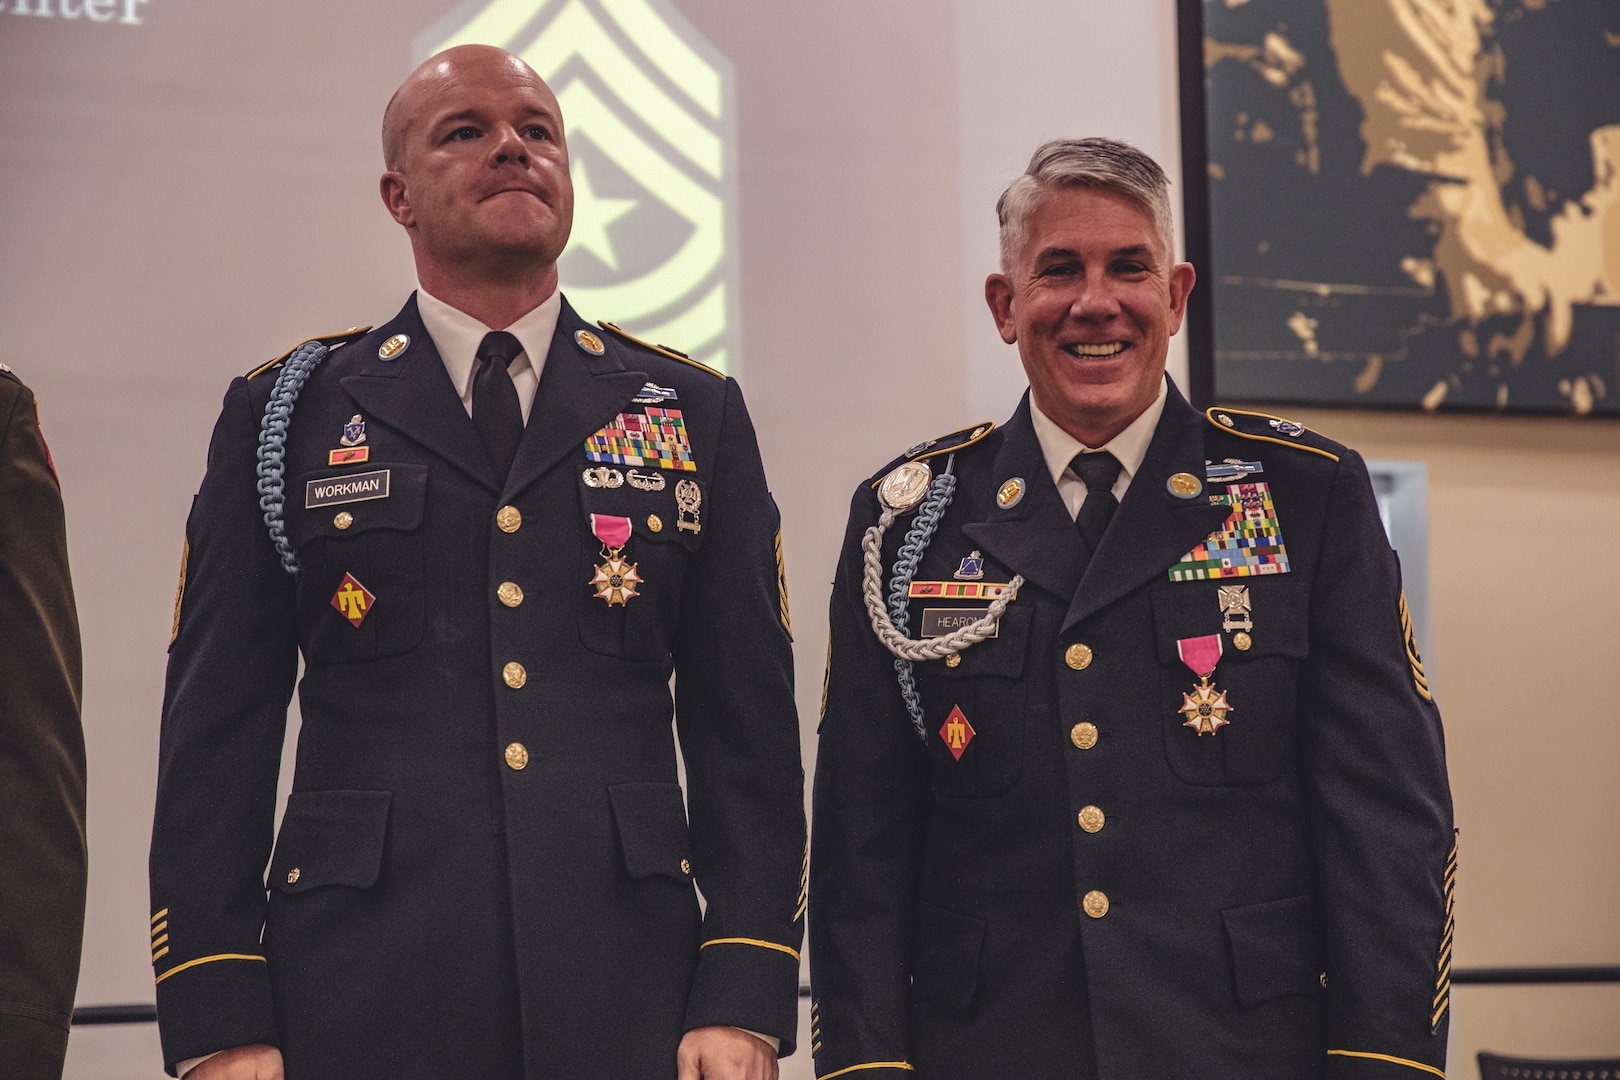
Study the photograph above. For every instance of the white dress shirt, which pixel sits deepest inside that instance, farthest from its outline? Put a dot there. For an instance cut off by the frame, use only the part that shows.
(457, 336)
(1058, 447)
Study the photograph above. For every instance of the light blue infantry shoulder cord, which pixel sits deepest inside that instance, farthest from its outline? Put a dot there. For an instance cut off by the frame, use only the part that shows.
(295, 371)
(891, 624)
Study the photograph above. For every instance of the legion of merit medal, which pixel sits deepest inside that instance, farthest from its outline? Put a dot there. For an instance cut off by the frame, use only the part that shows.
(615, 578)
(1206, 707)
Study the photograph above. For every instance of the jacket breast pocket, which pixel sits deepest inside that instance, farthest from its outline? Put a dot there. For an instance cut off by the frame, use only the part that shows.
(974, 712)
(360, 582)
(629, 602)
(1241, 729)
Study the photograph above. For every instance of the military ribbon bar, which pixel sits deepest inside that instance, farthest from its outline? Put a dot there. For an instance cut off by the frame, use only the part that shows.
(956, 590)
(614, 532)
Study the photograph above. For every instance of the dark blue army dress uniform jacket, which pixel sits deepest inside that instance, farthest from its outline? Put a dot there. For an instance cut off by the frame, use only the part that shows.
(485, 868)
(1066, 880)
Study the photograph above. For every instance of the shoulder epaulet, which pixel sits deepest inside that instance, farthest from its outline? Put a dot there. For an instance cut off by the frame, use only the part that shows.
(1263, 427)
(661, 350)
(945, 444)
(331, 341)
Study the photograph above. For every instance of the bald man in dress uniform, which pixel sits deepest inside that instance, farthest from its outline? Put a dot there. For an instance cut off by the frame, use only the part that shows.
(494, 532)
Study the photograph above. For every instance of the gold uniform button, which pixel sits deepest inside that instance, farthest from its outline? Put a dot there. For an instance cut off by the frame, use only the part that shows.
(1226, 421)
(686, 867)
(1243, 641)
(1078, 656)
(1092, 818)
(510, 593)
(953, 660)
(293, 875)
(509, 519)
(343, 520)
(1084, 735)
(514, 675)
(517, 756)
(1095, 904)
(655, 523)
(1322, 978)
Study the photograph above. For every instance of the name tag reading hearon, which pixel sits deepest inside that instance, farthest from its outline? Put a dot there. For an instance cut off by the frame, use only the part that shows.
(355, 487)
(939, 621)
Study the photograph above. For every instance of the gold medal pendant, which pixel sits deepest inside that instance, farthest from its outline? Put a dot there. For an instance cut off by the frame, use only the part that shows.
(1205, 708)
(615, 579)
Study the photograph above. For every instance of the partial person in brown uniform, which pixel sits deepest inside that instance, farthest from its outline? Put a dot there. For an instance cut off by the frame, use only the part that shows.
(42, 852)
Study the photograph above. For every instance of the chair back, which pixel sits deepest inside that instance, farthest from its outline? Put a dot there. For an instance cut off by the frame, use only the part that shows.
(1498, 1067)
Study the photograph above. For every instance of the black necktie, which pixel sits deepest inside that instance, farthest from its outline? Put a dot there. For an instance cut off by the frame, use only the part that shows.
(496, 413)
(1099, 471)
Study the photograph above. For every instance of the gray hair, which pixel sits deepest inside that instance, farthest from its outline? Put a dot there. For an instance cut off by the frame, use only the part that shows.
(1101, 164)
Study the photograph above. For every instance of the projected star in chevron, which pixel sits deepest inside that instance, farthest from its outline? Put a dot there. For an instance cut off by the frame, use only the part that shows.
(650, 117)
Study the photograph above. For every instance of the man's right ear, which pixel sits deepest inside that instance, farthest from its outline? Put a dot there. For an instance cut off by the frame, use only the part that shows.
(397, 198)
(998, 293)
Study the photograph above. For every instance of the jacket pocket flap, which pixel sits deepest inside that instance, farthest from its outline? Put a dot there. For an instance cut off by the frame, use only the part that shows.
(651, 819)
(391, 495)
(945, 964)
(1276, 948)
(1275, 620)
(330, 838)
(1002, 655)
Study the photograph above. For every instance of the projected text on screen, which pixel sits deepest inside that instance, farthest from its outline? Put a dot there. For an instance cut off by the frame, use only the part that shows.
(124, 12)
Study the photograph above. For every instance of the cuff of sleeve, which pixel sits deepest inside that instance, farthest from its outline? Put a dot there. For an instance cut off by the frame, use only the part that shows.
(873, 1070)
(187, 1065)
(769, 1040)
(1371, 1065)
(749, 984)
(212, 1004)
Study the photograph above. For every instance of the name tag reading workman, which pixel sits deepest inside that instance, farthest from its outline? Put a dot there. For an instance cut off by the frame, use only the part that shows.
(356, 487)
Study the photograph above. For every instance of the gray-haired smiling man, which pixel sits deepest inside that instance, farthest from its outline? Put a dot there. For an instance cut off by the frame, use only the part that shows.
(1128, 768)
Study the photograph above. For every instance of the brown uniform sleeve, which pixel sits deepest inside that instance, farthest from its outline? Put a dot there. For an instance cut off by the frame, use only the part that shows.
(42, 784)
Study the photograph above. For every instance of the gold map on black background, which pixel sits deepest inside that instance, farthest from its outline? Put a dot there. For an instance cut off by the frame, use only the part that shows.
(1416, 202)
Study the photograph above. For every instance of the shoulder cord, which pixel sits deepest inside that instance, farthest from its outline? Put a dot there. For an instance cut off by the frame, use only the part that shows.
(273, 443)
(892, 623)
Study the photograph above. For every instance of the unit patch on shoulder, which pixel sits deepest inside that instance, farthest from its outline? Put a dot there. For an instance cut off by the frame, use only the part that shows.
(1249, 544)
(652, 439)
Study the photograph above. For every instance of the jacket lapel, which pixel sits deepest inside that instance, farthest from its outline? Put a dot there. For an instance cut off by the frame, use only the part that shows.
(1036, 537)
(413, 395)
(579, 394)
(1152, 528)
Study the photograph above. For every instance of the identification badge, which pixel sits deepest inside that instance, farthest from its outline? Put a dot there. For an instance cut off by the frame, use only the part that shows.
(356, 487)
(937, 622)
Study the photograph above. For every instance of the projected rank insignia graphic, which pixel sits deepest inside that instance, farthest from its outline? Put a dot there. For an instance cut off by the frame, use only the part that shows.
(650, 119)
